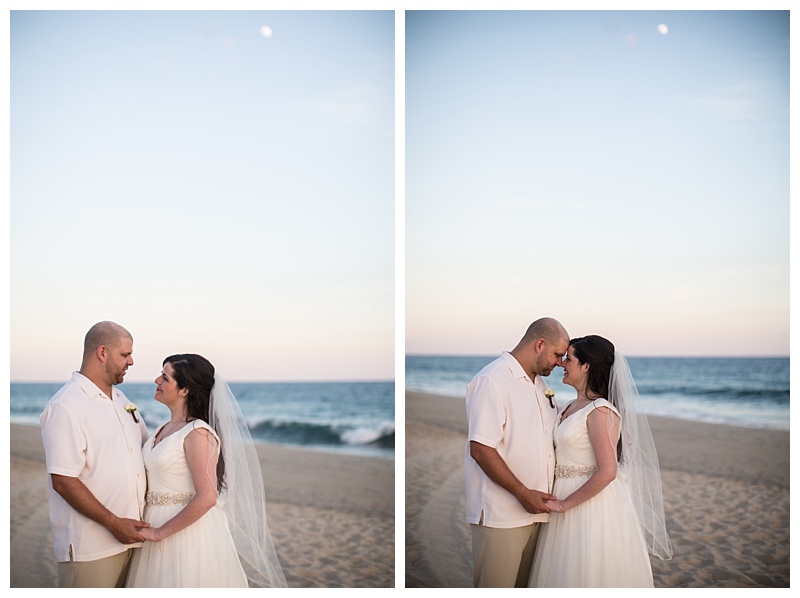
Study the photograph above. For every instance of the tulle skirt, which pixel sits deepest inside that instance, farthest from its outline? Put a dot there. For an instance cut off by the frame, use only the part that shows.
(200, 556)
(598, 544)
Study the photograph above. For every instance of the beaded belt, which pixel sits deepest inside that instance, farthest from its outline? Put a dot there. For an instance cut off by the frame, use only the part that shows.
(168, 498)
(574, 471)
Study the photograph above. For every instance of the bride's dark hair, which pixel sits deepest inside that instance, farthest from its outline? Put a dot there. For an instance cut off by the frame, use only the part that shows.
(598, 352)
(196, 374)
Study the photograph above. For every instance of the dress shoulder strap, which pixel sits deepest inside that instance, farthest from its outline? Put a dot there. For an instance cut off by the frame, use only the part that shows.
(604, 403)
(199, 424)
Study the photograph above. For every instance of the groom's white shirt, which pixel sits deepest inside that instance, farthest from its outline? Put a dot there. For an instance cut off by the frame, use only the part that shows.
(91, 437)
(510, 413)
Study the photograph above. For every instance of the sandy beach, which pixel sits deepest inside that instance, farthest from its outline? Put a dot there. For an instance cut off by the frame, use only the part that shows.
(331, 516)
(726, 495)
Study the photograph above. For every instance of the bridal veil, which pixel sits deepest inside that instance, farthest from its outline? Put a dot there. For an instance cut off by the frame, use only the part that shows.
(243, 498)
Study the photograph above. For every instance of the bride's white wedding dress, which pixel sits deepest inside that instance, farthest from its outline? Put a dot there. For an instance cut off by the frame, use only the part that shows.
(202, 555)
(598, 543)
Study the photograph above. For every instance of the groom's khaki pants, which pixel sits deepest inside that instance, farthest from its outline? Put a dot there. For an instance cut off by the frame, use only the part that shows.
(110, 572)
(502, 558)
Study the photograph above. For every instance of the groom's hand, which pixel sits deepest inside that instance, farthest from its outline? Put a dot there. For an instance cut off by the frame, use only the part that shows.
(128, 531)
(534, 501)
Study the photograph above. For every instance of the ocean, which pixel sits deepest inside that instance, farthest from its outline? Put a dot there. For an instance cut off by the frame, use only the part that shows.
(751, 392)
(346, 417)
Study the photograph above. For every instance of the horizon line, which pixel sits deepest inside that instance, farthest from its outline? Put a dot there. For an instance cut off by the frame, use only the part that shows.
(670, 356)
(364, 381)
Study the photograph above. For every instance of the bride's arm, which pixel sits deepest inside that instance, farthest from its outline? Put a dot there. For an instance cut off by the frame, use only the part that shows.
(201, 455)
(603, 426)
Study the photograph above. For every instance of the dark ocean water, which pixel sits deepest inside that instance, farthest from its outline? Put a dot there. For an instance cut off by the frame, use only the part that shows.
(743, 391)
(352, 417)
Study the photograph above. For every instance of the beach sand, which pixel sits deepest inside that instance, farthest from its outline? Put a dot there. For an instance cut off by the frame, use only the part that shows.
(331, 516)
(726, 496)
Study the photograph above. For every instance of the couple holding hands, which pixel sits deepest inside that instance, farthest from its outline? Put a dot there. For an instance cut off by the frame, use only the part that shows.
(182, 508)
(561, 497)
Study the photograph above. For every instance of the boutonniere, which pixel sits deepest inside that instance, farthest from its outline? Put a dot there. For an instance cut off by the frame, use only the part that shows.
(550, 394)
(131, 408)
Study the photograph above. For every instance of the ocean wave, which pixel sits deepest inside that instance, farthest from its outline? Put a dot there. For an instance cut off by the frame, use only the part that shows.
(305, 433)
(778, 395)
(383, 435)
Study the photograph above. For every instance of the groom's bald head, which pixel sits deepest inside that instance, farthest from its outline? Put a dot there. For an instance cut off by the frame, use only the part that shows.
(107, 334)
(548, 329)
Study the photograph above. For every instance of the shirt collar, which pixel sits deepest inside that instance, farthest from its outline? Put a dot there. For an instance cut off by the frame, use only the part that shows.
(514, 366)
(89, 387)
(517, 371)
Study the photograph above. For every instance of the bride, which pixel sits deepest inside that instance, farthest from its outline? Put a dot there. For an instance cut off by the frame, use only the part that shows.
(205, 499)
(609, 512)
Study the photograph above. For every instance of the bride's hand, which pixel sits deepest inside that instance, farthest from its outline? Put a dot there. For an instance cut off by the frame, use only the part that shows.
(150, 534)
(555, 506)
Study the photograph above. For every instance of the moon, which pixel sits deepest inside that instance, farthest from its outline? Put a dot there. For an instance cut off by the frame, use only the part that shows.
(663, 29)
(266, 31)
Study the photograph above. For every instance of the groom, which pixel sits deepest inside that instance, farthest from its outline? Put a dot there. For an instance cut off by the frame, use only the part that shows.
(94, 460)
(510, 460)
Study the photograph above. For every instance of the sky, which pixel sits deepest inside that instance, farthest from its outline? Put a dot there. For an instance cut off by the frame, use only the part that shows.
(217, 182)
(224, 182)
(626, 172)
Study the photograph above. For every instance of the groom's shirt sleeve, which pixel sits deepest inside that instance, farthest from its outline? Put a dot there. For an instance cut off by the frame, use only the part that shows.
(64, 442)
(486, 412)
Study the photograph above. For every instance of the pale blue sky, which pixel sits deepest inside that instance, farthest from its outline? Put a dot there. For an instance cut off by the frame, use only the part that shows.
(213, 189)
(586, 166)
(224, 192)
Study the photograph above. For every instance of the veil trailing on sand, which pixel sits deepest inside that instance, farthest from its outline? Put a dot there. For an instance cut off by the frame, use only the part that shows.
(639, 461)
(243, 497)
